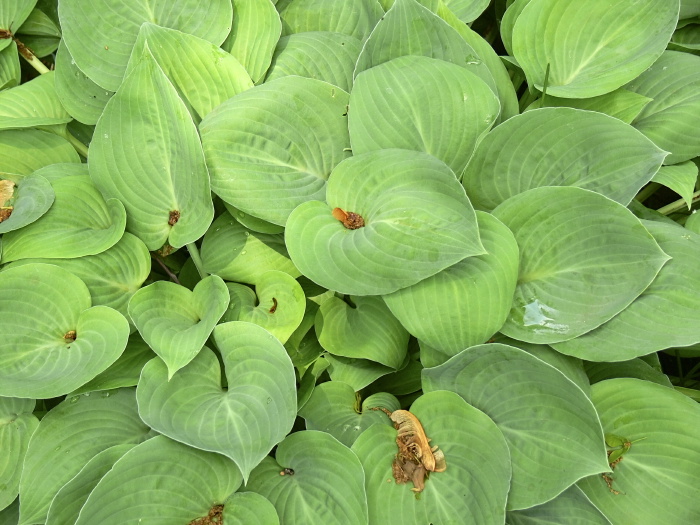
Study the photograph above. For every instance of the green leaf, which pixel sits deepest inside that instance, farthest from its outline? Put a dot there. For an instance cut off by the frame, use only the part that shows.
(203, 75)
(100, 35)
(583, 45)
(10, 515)
(302, 346)
(666, 314)
(68, 436)
(633, 368)
(235, 253)
(249, 508)
(571, 506)
(466, 303)
(467, 10)
(389, 109)
(656, 477)
(362, 329)
(54, 341)
(406, 380)
(687, 38)
(358, 373)
(672, 82)
(693, 222)
(40, 33)
(327, 484)
(307, 382)
(176, 322)
(17, 424)
(323, 55)
(551, 427)
(515, 7)
(253, 223)
(579, 252)
(32, 197)
(80, 222)
(13, 13)
(355, 18)
(272, 147)
(65, 506)
(24, 151)
(34, 103)
(472, 489)
(622, 104)
(561, 147)
(417, 222)
(160, 480)
(689, 8)
(10, 72)
(254, 35)
(146, 152)
(333, 408)
(278, 304)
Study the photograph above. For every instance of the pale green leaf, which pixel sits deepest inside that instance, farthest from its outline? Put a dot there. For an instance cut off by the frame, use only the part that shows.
(17, 424)
(13, 13)
(32, 104)
(23, 151)
(622, 104)
(32, 197)
(570, 507)
(355, 18)
(249, 508)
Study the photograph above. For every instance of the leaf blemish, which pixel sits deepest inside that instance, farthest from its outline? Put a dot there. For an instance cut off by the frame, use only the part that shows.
(215, 516)
(70, 336)
(351, 220)
(287, 472)
(274, 306)
(173, 217)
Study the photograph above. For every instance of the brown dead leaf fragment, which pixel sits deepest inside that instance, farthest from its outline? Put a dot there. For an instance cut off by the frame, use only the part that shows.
(5, 213)
(7, 191)
(351, 220)
(273, 309)
(173, 217)
(215, 517)
(70, 336)
(609, 482)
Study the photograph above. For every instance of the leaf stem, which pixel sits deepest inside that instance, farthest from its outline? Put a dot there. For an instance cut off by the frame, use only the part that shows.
(167, 270)
(647, 191)
(197, 259)
(79, 146)
(30, 57)
(679, 204)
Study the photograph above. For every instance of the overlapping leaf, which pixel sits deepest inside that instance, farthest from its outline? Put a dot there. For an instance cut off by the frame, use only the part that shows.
(571, 506)
(10, 72)
(34, 103)
(30, 198)
(622, 104)
(358, 373)
(13, 13)
(355, 18)
(249, 508)
(40, 32)
(17, 424)
(417, 221)
(23, 151)
(681, 178)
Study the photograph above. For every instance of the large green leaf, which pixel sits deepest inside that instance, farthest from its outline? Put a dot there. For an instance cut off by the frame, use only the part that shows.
(254, 35)
(53, 340)
(570, 507)
(358, 373)
(633, 368)
(32, 196)
(203, 75)
(590, 48)
(23, 151)
(583, 259)
(657, 477)
(146, 152)
(622, 104)
(176, 322)
(665, 315)
(161, 480)
(40, 33)
(17, 424)
(101, 34)
(561, 147)
(417, 221)
(355, 18)
(472, 489)
(10, 72)
(277, 304)
(363, 329)
(13, 13)
(324, 483)
(80, 222)
(389, 108)
(68, 436)
(466, 303)
(66, 504)
(253, 223)
(272, 147)
(235, 253)
(467, 10)
(243, 422)
(673, 82)
(323, 55)
(34, 103)
(551, 427)
(681, 178)
(249, 508)
(334, 408)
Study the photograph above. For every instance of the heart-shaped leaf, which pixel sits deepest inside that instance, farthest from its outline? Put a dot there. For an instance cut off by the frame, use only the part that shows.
(571, 506)
(577, 45)
(146, 153)
(681, 178)
(561, 147)
(665, 315)
(255, 32)
(103, 52)
(26, 200)
(622, 104)
(358, 373)
(411, 221)
(389, 109)
(472, 489)
(466, 303)
(34, 103)
(656, 476)
(243, 422)
(361, 328)
(67, 437)
(13, 13)
(249, 508)
(550, 450)
(579, 252)
(277, 304)
(17, 424)
(272, 147)
(356, 18)
(235, 253)
(176, 322)
(323, 55)
(80, 222)
(23, 151)
(335, 408)
(314, 479)
(161, 480)
(54, 341)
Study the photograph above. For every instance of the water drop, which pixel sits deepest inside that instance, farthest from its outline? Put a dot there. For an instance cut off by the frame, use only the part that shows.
(389, 91)
(106, 393)
(106, 136)
(247, 234)
(57, 448)
(74, 400)
(243, 252)
(269, 400)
